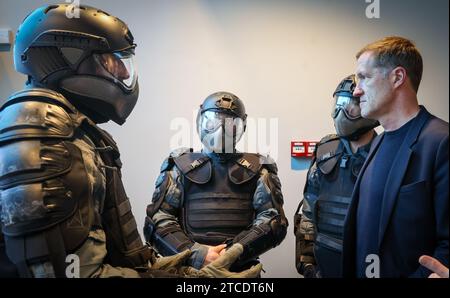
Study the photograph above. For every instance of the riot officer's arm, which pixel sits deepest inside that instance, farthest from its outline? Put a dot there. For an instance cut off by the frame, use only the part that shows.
(304, 227)
(304, 237)
(162, 228)
(270, 224)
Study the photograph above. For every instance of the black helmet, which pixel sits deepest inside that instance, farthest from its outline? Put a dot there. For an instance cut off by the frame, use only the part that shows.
(346, 111)
(86, 57)
(221, 122)
(224, 102)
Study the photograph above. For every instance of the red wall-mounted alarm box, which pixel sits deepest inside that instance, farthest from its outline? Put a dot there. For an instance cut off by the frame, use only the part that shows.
(303, 148)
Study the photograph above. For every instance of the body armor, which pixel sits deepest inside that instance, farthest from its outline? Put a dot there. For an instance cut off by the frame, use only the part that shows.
(327, 196)
(217, 205)
(220, 198)
(49, 202)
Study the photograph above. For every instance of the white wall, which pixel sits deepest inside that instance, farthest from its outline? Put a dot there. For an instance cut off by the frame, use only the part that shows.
(283, 58)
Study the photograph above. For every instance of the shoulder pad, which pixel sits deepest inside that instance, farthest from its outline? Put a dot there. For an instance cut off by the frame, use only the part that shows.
(42, 185)
(327, 154)
(31, 160)
(245, 167)
(37, 113)
(169, 161)
(167, 164)
(328, 138)
(269, 164)
(195, 166)
(180, 151)
(42, 95)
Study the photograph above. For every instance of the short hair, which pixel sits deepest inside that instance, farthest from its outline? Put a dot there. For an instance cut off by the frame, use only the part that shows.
(393, 51)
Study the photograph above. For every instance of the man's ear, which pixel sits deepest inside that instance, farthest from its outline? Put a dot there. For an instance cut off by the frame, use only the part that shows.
(398, 76)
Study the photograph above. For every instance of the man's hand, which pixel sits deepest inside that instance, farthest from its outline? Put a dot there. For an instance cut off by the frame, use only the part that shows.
(220, 267)
(440, 271)
(213, 253)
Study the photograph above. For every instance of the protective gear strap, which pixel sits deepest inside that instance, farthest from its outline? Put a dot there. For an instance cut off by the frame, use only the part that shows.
(44, 247)
(167, 240)
(57, 251)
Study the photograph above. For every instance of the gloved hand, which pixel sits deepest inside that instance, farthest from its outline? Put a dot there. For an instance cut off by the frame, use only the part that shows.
(220, 267)
(309, 270)
(172, 264)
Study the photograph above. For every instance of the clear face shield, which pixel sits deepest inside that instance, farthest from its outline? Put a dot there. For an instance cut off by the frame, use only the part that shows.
(349, 105)
(219, 132)
(120, 66)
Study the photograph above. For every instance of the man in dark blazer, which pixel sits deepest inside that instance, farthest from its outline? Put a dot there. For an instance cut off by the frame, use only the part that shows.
(399, 208)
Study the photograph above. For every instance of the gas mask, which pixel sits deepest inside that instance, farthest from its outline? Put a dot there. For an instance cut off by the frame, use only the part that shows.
(346, 112)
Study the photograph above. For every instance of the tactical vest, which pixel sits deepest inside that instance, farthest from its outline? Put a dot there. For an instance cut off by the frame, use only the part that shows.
(339, 169)
(48, 180)
(218, 195)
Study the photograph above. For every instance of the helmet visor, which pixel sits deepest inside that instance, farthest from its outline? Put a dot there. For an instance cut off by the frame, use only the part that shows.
(210, 121)
(120, 67)
(348, 104)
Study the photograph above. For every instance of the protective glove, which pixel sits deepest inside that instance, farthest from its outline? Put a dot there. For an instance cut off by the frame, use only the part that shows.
(309, 270)
(220, 267)
(172, 264)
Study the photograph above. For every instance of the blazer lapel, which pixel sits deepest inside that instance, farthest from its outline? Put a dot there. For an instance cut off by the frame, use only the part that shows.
(356, 190)
(348, 254)
(398, 170)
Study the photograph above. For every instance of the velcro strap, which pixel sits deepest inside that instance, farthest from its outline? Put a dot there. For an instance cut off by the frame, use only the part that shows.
(168, 230)
(176, 239)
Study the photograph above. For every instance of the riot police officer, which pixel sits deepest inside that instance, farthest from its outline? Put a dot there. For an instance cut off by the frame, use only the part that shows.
(330, 180)
(205, 201)
(60, 181)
